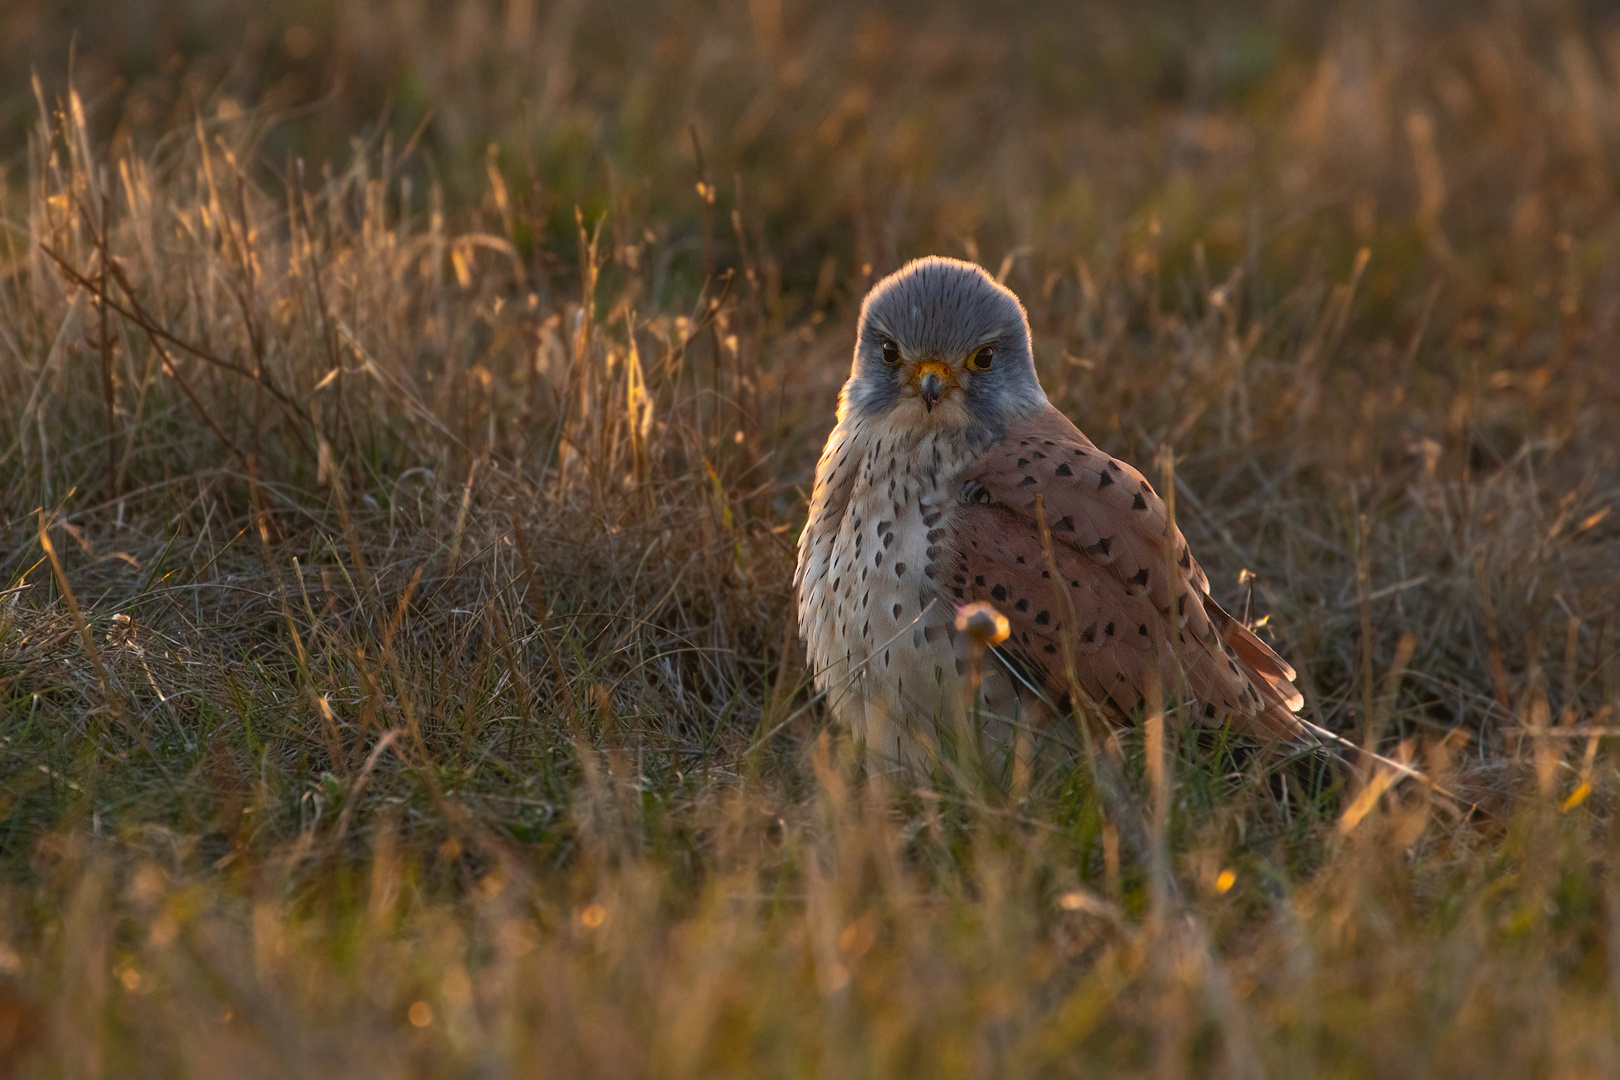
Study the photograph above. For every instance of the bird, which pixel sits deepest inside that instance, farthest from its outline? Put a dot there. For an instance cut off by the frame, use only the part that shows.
(945, 467)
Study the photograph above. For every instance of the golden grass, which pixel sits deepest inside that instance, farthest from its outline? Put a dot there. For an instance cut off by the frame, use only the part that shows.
(397, 670)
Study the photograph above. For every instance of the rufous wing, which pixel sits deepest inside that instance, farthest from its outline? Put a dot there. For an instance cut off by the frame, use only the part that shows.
(1137, 622)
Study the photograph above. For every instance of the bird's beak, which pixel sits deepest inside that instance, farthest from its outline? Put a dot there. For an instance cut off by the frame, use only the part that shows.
(933, 381)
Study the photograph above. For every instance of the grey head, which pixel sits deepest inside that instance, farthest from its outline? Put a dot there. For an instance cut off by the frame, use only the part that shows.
(942, 345)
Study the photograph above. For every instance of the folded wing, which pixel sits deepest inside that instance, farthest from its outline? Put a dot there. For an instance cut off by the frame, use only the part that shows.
(1137, 619)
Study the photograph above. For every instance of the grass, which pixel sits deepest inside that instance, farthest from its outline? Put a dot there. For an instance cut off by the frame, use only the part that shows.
(405, 421)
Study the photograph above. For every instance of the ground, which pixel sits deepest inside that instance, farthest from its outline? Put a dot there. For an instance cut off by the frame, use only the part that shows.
(406, 417)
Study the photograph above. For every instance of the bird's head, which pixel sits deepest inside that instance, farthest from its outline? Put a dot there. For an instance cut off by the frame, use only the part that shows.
(941, 345)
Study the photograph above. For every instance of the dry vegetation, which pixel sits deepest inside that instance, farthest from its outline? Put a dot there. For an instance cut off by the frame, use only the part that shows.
(405, 418)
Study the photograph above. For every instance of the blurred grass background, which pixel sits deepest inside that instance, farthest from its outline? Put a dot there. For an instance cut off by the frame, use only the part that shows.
(406, 411)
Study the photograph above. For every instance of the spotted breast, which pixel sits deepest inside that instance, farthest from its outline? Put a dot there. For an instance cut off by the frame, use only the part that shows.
(876, 610)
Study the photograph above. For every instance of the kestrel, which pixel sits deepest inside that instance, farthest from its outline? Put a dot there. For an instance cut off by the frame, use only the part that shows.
(926, 501)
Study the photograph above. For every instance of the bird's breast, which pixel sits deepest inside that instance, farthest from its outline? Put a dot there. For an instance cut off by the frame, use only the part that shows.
(876, 605)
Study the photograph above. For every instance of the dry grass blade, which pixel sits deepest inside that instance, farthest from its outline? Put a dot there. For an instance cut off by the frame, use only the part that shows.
(86, 638)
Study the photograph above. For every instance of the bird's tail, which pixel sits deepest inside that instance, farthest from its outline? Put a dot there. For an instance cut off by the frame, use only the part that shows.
(1271, 675)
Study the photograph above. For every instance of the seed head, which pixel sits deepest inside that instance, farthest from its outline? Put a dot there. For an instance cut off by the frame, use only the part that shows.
(983, 624)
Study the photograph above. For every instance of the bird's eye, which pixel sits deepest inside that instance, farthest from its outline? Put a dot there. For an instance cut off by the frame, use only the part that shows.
(891, 352)
(983, 358)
